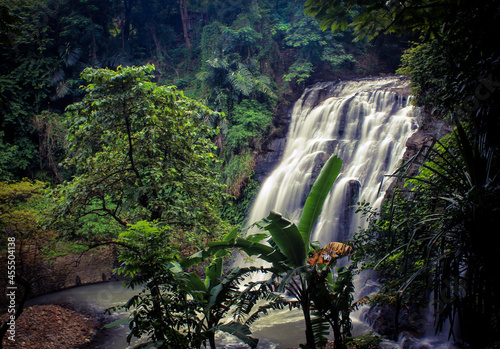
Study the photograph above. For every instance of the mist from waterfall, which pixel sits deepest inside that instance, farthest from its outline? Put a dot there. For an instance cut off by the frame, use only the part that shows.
(366, 123)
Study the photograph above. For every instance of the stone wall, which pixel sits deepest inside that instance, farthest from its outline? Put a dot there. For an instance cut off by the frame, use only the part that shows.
(78, 269)
(67, 271)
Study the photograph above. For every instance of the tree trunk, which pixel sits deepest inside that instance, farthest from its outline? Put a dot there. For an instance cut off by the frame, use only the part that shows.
(157, 313)
(310, 342)
(306, 309)
(337, 336)
(211, 339)
(127, 8)
(183, 10)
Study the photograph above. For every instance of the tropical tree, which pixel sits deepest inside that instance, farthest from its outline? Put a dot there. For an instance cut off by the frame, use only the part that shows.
(140, 152)
(216, 295)
(43, 47)
(25, 71)
(315, 48)
(177, 308)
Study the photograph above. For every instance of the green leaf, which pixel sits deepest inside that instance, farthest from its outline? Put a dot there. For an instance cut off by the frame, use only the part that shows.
(231, 235)
(286, 236)
(317, 196)
(213, 299)
(240, 331)
(265, 252)
(213, 273)
(196, 284)
(117, 323)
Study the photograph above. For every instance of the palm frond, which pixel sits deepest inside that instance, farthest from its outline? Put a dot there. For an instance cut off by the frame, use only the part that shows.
(242, 80)
(219, 63)
(320, 327)
(263, 85)
(277, 304)
(241, 331)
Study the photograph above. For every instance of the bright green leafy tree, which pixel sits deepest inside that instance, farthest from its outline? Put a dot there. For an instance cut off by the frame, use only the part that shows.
(144, 159)
(315, 48)
(248, 123)
(140, 152)
(176, 308)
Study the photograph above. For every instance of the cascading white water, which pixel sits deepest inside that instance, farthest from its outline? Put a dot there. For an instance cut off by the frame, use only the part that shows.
(365, 123)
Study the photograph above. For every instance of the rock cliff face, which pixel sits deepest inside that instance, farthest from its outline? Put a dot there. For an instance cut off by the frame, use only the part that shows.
(267, 160)
(76, 270)
(429, 130)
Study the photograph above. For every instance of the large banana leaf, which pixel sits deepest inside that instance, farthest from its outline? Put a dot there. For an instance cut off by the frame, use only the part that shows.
(317, 196)
(199, 256)
(213, 273)
(195, 286)
(287, 238)
(262, 251)
(251, 248)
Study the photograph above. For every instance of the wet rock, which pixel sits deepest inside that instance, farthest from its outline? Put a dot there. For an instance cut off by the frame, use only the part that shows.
(411, 320)
(350, 199)
(268, 160)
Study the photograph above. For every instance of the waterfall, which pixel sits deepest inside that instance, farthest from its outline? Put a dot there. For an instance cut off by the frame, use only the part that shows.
(365, 123)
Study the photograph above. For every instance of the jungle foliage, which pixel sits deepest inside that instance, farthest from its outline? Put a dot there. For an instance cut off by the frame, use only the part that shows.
(254, 51)
(244, 60)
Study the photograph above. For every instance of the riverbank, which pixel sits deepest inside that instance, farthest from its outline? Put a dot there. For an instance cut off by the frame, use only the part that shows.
(54, 326)
(61, 326)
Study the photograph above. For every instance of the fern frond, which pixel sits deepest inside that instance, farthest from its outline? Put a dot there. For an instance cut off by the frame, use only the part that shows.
(263, 85)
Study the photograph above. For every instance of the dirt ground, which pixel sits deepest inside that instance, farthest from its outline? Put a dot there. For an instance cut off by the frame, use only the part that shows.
(51, 327)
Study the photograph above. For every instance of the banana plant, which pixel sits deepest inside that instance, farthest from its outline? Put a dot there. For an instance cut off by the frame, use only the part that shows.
(294, 243)
(286, 246)
(216, 295)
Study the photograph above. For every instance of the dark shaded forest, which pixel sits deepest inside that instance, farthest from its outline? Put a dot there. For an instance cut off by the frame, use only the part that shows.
(138, 124)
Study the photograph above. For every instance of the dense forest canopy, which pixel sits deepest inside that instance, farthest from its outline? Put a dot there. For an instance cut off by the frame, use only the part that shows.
(258, 50)
(141, 122)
